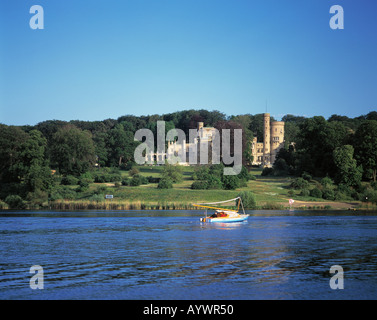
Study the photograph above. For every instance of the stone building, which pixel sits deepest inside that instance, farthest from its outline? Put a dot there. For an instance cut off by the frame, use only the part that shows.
(204, 137)
(265, 152)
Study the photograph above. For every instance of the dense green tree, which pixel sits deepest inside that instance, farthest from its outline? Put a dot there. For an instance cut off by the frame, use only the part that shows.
(348, 173)
(12, 140)
(316, 142)
(23, 161)
(73, 150)
(365, 144)
(121, 146)
(172, 172)
(291, 128)
(101, 151)
(37, 173)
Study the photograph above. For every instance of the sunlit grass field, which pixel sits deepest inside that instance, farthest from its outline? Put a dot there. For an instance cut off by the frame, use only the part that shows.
(266, 190)
(270, 193)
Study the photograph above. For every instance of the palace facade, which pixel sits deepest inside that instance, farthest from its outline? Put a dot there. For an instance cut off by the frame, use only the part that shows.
(264, 153)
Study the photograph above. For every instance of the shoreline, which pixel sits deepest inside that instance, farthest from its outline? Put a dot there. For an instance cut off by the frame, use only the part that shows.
(121, 205)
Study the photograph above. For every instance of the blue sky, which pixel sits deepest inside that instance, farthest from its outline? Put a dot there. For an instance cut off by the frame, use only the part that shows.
(102, 59)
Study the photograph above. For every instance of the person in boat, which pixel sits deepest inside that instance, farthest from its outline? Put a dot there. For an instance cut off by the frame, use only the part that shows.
(219, 214)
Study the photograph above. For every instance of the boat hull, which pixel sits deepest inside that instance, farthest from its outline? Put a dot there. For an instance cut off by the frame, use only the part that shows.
(230, 219)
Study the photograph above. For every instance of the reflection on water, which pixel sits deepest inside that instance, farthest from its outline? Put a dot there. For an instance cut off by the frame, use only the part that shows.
(172, 255)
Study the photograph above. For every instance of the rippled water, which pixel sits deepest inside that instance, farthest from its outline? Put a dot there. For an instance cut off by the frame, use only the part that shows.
(171, 255)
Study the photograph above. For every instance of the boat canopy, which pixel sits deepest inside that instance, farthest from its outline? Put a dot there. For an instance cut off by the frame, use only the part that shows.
(209, 205)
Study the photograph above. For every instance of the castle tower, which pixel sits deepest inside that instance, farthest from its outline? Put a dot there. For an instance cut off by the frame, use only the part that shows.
(266, 139)
(277, 139)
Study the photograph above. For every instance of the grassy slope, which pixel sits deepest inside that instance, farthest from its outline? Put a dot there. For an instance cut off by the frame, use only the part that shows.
(270, 192)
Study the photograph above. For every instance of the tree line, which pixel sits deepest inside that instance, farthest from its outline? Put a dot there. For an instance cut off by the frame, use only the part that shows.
(342, 151)
(31, 157)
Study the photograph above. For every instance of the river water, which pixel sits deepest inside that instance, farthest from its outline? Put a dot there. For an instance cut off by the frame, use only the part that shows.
(172, 255)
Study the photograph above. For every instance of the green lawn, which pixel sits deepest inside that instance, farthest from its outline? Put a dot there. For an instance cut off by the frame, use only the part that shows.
(271, 189)
(270, 192)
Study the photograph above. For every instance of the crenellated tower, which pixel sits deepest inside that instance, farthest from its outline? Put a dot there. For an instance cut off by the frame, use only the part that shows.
(264, 153)
(266, 138)
(277, 139)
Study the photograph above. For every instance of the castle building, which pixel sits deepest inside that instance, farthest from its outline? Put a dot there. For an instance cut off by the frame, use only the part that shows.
(204, 137)
(264, 153)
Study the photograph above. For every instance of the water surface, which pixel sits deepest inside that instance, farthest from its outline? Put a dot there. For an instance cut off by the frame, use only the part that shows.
(171, 255)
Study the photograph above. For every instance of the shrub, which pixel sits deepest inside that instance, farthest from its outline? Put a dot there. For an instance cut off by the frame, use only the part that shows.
(3, 205)
(84, 182)
(243, 183)
(214, 182)
(133, 172)
(165, 183)
(291, 193)
(69, 181)
(217, 170)
(316, 193)
(54, 195)
(306, 176)
(244, 174)
(87, 176)
(101, 189)
(201, 173)
(63, 192)
(153, 179)
(328, 194)
(99, 178)
(97, 197)
(231, 182)
(340, 196)
(280, 167)
(248, 199)
(369, 195)
(173, 172)
(83, 185)
(125, 182)
(107, 177)
(115, 177)
(15, 202)
(327, 182)
(305, 193)
(201, 185)
(137, 180)
(300, 183)
(345, 189)
(38, 198)
(144, 180)
(267, 171)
